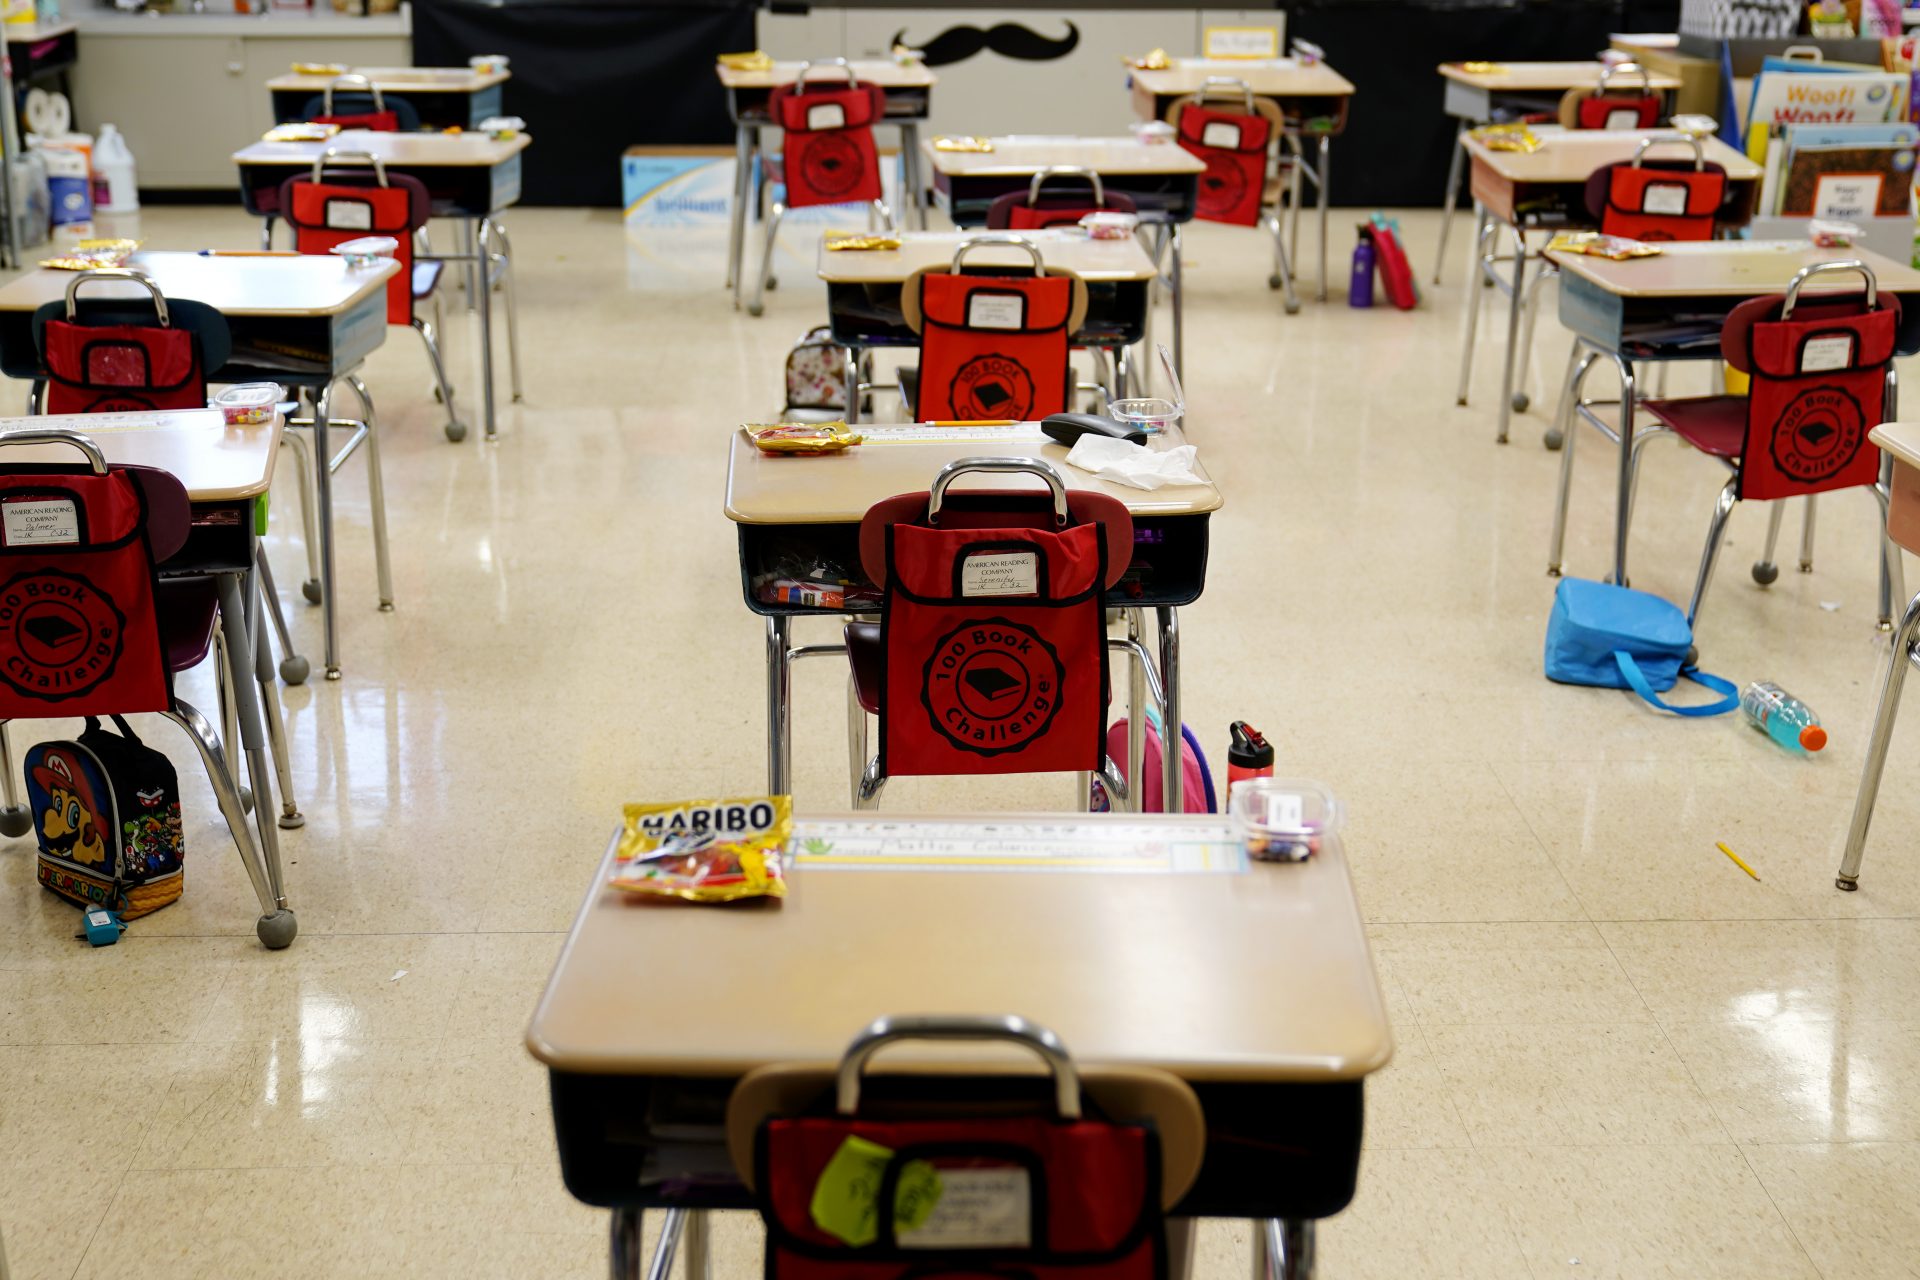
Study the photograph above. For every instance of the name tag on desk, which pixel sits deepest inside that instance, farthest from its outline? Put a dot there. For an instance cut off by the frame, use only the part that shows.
(1000, 573)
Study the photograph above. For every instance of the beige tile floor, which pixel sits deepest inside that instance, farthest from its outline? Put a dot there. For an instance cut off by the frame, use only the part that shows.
(1618, 1056)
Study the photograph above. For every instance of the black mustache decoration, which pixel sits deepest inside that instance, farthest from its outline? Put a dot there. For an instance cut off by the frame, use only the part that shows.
(1008, 39)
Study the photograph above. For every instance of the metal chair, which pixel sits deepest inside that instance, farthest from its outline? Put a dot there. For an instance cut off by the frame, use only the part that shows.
(363, 108)
(1596, 108)
(1240, 157)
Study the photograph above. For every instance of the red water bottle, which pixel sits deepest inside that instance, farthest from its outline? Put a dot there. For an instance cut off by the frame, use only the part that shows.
(1249, 755)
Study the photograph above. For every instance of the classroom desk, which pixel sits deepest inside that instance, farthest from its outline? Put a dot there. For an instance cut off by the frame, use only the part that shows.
(909, 89)
(1545, 190)
(1162, 179)
(469, 176)
(812, 507)
(444, 97)
(1622, 312)
(224, 470)
(863, 288)
(300, 319)
(1312, 97)
(1503, 91)
(1256, 986)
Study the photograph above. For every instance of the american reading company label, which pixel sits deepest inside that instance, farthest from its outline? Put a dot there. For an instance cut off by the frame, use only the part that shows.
(1665, 197)
(1623, 118)
(827, 115)
(1001, 573)
(976, 1208)
(349, 215)
(995, 311)
(41, 522)
(1221, 133)
(1818, 356)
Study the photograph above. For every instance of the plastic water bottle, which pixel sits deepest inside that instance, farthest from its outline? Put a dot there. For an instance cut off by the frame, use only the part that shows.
(1782, 717)
(1249, 754)
(113, 163)
(1360, 287)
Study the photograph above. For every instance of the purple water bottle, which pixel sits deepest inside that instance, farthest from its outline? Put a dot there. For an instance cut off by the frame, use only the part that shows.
(1360, 287)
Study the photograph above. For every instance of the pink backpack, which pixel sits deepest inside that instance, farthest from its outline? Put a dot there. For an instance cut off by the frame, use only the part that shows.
(1196, 782)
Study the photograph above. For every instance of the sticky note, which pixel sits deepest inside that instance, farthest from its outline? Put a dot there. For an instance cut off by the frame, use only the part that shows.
(846, 1197)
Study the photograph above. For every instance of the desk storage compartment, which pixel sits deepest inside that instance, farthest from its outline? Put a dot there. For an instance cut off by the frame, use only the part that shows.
(1173, 195)
(869, 315)
(219, 539)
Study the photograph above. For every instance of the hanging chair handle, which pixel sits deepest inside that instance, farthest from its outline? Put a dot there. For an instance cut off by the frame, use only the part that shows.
(335, 153)
(988, 241)
(1066, 171)
(1851, 266)
(351, 80)
(1699, 152)
(1007, 1029)
(116, 274)
(1003, 466)
(1621, 68)
(831, 64)
(1232, 84)
(59, 435)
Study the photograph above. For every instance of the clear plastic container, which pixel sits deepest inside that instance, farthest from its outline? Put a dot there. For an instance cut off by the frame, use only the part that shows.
(1153, 414)
(487, 63)
(1108, 224)
(248, 403)
(367, 251)
(500, 128)
(1283, 819)
(1155, 133)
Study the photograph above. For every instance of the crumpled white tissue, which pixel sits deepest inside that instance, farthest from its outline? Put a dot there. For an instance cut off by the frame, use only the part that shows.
(1134, 464)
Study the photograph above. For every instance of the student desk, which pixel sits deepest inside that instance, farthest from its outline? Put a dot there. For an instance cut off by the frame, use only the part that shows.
(1311, 95)
(1163, 180)
(1672, 307)
(1483, 93)
(812, 507)
(1546, 190)
(469, 176)
(300, 319)
(909, 89)
(863, 288)
(1255, 986)
(224, 470)
(444, 97)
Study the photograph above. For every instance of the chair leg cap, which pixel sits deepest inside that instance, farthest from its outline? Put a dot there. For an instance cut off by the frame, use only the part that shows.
(1555, 439)
(1766, 574)
(295, 669)
(277, 929)
(311, 590)
(292, 821)
(456, 430)
(1850, 886)
(16, 821)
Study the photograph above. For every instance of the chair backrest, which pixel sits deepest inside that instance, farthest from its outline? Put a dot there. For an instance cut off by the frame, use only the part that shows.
(995, 657)
(1035, 207)
(349, 194)
(1658, 199)
(827, 149)
(1233, 141)
(110, 355)
(997, 346)
(361, 106)
(1605, 106)
(1082, 1164)
(79, 633)
(1819, 372)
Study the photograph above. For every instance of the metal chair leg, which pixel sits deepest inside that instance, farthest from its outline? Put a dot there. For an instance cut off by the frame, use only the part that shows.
(290, 815)
(294, 669)
(276, 925)
(1282, 277)
(698, 1241)
(624, 1245)
(1716, 534)
(1556, 430)
(669, 1244)
(229, 716)
(1765, 571)
(1454, 166)
(455, 429)
(302, 451)
(1891, 680)
(15, 820)
(856, 740)
(509, 294)
(1893, 577)
(376, 494)
(867, 795)
(1523, 359)
(1806, 536)
(1483, 227)
(1569, 426)
(764, 279)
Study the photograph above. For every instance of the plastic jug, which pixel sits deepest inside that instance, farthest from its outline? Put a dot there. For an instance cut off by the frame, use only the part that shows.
(115, 188)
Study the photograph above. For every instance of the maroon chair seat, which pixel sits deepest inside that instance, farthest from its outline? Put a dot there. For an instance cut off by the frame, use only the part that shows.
(863, 652)
(1715, 425)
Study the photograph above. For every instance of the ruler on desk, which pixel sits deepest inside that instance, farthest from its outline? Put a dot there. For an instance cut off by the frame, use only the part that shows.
(1104, 846)
(921, 433)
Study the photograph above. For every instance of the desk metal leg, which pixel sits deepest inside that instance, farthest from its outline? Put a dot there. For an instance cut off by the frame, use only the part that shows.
(1483, 229)
(914, 198)
(1623, 511)
(1453, 195)
(323, 495)
(779, 704)
(466, 253)
(1326, 170)
(1172, 753)
(1891, 681)
(1180, 1234)
(1515, 305)
(276, 929)
(624, 1244)
(742, 192)
(15, 820)
(698, 1236)
(483, 235)
(258, 602)
(1177, 289)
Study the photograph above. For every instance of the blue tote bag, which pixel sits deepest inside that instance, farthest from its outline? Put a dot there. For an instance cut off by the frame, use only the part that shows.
(1618, 638)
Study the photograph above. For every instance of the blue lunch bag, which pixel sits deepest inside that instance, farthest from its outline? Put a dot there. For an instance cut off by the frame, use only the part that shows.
(1618, 638)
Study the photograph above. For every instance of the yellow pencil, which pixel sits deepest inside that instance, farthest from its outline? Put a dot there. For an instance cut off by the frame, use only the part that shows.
(1738, 861)
(989, 422)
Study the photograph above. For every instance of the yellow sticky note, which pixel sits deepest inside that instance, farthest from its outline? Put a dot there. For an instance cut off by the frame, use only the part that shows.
(915, 1195)
(845, 1198)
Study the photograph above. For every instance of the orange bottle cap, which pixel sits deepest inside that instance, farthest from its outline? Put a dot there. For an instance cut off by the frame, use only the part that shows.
(1813, 737)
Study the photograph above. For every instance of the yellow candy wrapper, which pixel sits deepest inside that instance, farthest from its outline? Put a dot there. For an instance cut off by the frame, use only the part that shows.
(753, 60)
(300, 131)
(977, 146)
(91, 255)
(1508, 137)
(1481, 68)
(1595, 245)
(319, 69)
(843, 244)
(802, 437)
(1155, 61)
(705, 850)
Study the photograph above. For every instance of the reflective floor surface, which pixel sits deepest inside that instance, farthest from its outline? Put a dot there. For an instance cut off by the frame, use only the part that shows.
(1618, 1055)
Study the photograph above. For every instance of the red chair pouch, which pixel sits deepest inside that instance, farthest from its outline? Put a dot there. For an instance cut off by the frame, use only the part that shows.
(79, 634)
(993, 347)
(829, 155)
(1652, 203)
(1619, 111)
(1819, 386)
(121, 368)
(372, 121)
(993, 650)
(324, 214)
(1024, 217)
(998, 1195)
(1234, 147)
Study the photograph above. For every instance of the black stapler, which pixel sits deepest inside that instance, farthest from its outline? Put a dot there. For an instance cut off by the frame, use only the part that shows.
(1067, 428)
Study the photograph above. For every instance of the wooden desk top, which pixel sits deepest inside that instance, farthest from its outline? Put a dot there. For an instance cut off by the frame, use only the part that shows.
(1571, 155)
(1259, 977)
(1086, 257)
(1267, 77)
(1545, 77)
(401, 150)
(289, 284)
(838, 488)
(1901, 439)
(35, 32)
(398, 80)
(884, 72)
(1020, 155)
(1732, 268)
(215, 462)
